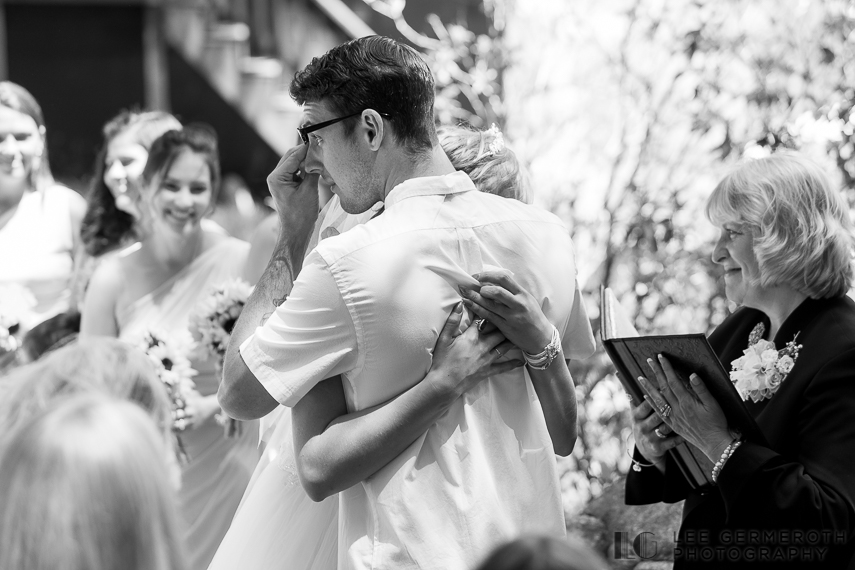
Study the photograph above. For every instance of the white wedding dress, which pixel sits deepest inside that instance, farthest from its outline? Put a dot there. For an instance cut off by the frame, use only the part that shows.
(277, 525)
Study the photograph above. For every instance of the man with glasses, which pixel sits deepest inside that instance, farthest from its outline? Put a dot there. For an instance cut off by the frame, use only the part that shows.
(426, 479)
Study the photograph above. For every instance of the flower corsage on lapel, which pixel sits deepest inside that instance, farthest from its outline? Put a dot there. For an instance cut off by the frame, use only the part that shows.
(759, 372)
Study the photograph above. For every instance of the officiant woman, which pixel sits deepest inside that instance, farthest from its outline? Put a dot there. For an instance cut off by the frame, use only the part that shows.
(785, 247)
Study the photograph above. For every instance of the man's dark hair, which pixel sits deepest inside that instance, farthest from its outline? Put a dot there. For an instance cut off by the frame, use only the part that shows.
(377, 73)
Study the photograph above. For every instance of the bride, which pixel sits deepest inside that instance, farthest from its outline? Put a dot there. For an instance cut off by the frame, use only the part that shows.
(154, 288)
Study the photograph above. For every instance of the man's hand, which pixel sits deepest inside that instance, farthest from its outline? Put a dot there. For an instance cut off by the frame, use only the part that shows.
(295, 193)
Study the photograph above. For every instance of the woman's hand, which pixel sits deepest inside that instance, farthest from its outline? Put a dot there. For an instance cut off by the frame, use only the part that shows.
(197, 409)
(649, 442)
(462, 360)
(512, 309)
(691, 411)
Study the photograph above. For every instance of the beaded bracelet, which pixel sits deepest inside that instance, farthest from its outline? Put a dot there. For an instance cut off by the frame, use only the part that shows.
(725, 455)
(544, 358)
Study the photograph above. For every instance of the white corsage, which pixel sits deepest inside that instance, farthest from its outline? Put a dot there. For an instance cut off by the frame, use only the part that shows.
(760, 371)
(16, 304)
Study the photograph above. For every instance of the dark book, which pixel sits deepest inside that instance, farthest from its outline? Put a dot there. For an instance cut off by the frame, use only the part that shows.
(687, 353)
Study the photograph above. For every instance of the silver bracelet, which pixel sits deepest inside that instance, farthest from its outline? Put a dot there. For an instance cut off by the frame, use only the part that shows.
(725, 455)
(544, 358)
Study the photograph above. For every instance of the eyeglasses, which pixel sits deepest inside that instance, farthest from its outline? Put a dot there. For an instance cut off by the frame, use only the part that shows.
(304, 131)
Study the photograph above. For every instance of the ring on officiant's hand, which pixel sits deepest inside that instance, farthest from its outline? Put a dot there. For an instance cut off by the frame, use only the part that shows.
(665, 410)
(659, 433)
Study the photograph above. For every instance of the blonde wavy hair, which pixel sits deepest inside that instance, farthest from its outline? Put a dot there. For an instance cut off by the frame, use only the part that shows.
(803, 235)
(102, 365)
(491, 165)
(84, 486)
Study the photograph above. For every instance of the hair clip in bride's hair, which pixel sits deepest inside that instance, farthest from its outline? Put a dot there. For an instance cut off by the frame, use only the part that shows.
(496, 145)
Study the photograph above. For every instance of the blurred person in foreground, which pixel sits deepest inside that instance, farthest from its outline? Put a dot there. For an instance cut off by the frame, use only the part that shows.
(543, 553)
(359, 321)
(785, 246)
(153, 289)
(84, 486)
(277, 520)
(97, 365)
(39, 219)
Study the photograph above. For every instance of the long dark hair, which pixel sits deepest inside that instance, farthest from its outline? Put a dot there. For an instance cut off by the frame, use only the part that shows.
(104, 226)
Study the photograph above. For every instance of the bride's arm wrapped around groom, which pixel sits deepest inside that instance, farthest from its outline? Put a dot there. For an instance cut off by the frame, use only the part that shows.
(785, 247)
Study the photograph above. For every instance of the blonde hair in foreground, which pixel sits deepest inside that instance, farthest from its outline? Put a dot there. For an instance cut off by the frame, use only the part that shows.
(85, 487)
(100, 365)
(496, 172)
(803, 235)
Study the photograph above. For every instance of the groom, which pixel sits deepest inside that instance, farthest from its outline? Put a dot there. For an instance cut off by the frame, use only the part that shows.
(347, 344)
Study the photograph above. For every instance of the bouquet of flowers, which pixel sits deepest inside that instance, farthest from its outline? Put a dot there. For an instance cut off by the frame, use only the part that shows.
(16, 303)
(173, 368)
(216, 315)
(212, 323)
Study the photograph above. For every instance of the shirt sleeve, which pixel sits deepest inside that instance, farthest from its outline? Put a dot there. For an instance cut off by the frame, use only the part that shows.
(309, 338)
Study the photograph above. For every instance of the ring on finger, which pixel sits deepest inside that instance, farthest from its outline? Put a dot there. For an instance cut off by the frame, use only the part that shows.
(659, 433)
(498, 352)
(665, 410)
(479, 324)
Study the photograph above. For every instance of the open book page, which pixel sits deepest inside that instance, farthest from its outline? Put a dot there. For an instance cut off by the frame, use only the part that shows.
(614, 321)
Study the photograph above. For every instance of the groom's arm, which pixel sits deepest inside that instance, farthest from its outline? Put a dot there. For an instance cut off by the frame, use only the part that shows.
(241, 395)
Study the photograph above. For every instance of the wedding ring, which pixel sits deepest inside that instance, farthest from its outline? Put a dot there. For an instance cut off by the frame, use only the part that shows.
(660, 434)
(497, 352)
(478, 324)
(665, 411)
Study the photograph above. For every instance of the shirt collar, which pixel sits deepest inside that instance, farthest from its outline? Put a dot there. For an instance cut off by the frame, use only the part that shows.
(430, 186)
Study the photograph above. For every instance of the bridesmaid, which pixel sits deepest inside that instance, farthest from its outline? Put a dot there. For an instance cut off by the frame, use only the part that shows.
(39, 219)
(110, 223)
(155, 288)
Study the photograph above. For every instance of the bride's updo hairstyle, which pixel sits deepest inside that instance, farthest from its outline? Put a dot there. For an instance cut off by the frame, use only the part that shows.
(198, 138)
(84, 486)
(803, 237)
(491, 165)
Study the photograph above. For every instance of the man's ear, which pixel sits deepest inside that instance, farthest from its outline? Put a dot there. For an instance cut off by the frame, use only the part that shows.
(375, 130)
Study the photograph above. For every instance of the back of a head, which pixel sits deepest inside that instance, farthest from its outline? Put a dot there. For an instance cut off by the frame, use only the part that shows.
(378, 73)
(97, 365)
(84, 486)
(543, 553)
(491, 165)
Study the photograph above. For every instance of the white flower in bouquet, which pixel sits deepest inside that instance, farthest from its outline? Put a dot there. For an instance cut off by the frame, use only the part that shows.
(16, 305)
(215, 316)
(169, 355)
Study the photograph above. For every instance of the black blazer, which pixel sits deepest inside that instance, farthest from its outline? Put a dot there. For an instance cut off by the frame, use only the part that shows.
(796, 496)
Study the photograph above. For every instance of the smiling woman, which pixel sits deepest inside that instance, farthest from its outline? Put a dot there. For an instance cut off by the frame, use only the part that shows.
(39, 220)
(154, 288)
(786, 248)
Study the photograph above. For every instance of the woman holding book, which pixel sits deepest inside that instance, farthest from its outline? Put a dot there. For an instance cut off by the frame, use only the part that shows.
(786, 248)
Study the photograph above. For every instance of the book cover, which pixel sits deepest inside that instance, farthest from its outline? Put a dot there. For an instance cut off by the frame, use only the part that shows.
(687, 353)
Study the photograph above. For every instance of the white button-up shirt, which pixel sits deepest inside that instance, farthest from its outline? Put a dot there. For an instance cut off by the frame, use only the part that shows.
(369, 305)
